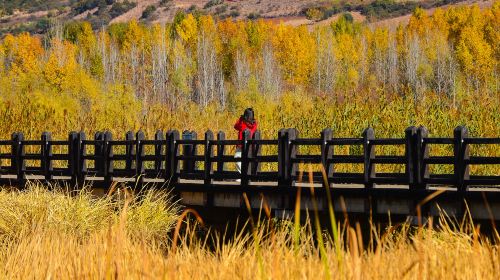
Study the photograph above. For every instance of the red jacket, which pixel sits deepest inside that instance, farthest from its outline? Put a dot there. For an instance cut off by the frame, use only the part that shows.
(241, 125)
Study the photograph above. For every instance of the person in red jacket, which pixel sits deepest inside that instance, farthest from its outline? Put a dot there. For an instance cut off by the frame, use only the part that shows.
(246, 121)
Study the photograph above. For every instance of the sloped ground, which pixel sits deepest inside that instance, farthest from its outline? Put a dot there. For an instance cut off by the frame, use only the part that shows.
(288, 12)
(135, 13)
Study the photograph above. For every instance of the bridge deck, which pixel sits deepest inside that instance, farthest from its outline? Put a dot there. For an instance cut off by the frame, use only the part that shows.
(236, 184)
(382, 199)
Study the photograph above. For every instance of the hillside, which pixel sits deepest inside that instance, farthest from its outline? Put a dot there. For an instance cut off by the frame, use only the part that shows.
(36, 16)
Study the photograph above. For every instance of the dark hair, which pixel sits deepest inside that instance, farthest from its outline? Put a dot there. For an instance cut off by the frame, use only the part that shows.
(248, 116)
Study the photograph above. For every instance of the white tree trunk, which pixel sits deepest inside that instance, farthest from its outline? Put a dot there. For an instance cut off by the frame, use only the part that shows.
(210, 79)
(270, 76)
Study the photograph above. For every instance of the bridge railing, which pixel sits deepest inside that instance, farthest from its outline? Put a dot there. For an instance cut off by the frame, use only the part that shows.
(367, 159)
(251, 159)
(466, 161)
(175, 159)
(8, 159)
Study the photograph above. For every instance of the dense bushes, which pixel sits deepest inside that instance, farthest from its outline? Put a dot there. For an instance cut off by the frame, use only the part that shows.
(85, 5)
(148, 11)
(105, 13)
(380, 9)
(212, 3)
(119, 8)
(9, 6)
(374, 10)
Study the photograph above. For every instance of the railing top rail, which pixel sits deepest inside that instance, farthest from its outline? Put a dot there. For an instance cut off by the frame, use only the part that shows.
(482, 140)
(152, 142)
(438, 140)
(307, 141)
(249, 141)
(123, 142)
(59, 142)
(263, 141)
(92, 142)
(33, 142)
(190, 141)
(226, 142)
(345, 141)
(388, 141)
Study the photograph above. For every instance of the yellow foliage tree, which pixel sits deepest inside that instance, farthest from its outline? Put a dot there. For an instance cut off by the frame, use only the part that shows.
(187, 30)
(134, 36)
(294, 49)
(61, 65)
(233, 40)
(473, 51)
(86, 38)
(346, 51)
(419, 22)
(25, 51)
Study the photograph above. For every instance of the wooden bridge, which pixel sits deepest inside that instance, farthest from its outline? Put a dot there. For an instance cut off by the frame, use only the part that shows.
(197, 170)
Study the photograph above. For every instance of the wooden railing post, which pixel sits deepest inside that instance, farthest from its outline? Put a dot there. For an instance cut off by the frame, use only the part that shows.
(326, 151)
(21, 162)
(172, 168)
(82, 162)
(411, 156)
(245, 150)
(13, 152)
(168, 155)
(185, 150)
(18, 153)
(422, 169)
(282, 152)
(46, 151)
(108, 158)
(189, 150)
(139, 162)
(194, 151)
(291, 168)
(460, 152)
(466, 157)
(369, 154)
(130, 153)
(73, 153)
(99, 153)
(208, 165)
(159, 151)
(209, 153)
(256, 151)
(220, 151)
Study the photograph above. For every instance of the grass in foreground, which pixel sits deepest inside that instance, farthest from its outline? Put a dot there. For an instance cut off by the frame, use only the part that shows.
(149, 216)
(53, 235)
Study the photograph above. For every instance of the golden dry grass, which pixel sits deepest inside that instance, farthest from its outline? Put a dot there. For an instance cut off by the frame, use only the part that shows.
(149, 215)
(266, 251)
